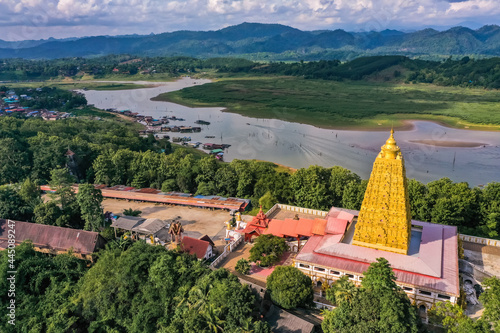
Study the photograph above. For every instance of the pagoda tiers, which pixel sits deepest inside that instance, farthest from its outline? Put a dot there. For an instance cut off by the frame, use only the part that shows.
(257, 226)
(384, 221)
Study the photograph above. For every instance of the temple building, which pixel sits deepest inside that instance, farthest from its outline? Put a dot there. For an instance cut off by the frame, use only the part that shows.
(424, 256)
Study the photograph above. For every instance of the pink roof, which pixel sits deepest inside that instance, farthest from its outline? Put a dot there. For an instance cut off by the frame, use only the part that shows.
(435, 267)
(335, 226)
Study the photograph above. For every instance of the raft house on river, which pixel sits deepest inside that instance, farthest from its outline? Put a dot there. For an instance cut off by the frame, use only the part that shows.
(171, 198)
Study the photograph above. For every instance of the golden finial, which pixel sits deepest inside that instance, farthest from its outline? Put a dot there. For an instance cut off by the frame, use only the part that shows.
(390, 149)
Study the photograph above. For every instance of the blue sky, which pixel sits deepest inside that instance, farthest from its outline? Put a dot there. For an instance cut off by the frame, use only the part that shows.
(41, 19)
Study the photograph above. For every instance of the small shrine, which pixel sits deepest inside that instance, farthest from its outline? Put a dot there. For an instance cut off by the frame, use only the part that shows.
(257, 226)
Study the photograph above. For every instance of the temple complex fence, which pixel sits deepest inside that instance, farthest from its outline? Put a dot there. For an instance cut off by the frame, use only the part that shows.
(227, 249)
(480, 240)
(319, 213)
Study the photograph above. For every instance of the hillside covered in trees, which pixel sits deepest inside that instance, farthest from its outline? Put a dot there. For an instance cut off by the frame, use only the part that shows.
(466, 72)
(270, 42)
(132, 288)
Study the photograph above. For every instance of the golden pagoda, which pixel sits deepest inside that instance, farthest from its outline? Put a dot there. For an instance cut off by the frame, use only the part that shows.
(384, 221)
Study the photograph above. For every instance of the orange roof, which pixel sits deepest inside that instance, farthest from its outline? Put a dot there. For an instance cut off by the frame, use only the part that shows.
(304, 227)
(296, 228)
(319, 227)
(274, 228)
(289, 228)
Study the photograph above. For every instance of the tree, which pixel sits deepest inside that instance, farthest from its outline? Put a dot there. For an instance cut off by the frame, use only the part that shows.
(379, 305)
(290, 288)
(491, 301)
(61, 180)
(132, 212)
(30, 193)
(12, 206)
(341, 290)
(48, 213)
(339, 178)
(90, 199)
(242, 266)
(14, 161)
(454, 320)
(268, 249)
(311, 187)
(267, 201)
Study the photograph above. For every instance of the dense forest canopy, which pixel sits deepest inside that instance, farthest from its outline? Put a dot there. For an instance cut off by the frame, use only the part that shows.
(132, 288)
(467, 72)
(110, 152)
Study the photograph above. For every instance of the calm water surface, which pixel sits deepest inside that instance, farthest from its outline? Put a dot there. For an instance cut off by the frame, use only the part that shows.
(299, 145)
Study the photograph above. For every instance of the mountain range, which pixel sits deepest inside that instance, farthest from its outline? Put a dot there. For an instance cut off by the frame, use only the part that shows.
(258, 41)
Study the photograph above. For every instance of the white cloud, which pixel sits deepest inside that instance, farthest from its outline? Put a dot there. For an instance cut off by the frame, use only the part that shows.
(65, 18)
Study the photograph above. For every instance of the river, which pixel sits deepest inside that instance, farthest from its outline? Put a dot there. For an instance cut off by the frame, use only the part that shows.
(299, 145)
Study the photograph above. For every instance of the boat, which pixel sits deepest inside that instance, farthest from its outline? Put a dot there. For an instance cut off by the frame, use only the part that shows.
(202, 122)
(209, 136)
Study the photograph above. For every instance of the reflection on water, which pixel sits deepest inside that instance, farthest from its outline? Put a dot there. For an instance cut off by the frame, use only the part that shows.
(299, 145)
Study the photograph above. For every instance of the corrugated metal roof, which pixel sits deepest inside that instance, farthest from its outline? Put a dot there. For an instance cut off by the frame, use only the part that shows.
(335, 226)
(52, 237)
(150, 226)
(127, 222)
(176, 198)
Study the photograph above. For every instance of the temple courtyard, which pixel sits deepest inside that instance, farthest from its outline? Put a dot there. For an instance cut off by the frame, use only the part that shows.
(195, 221)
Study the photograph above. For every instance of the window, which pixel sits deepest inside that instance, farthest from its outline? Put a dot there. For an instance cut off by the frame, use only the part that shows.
(350, 276)
(304, 266)
(334, 272)
(444, 296)
(423, 292)
(319, 269)
(407, 289)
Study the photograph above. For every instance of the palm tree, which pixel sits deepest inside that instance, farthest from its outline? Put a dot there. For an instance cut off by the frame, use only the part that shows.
(212, 318)
(246, 325)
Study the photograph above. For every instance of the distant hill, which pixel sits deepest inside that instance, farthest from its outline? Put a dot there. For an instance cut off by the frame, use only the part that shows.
(270, 42)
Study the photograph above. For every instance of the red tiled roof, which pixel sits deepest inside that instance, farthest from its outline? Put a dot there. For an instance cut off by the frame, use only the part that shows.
(195, 246)
(51, 237)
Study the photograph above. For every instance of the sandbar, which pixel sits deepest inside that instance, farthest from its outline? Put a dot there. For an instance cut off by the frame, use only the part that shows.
(456, 144)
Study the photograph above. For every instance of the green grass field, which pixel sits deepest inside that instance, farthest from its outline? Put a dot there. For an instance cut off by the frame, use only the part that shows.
(72, 85)
(330, 104)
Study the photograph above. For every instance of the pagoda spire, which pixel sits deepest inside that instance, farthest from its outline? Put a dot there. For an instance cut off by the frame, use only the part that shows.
(384, 220)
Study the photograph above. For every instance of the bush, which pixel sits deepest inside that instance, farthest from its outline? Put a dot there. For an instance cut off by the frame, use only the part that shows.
(268, 250)
(131, 212)
(243, 266)
(290, 288)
